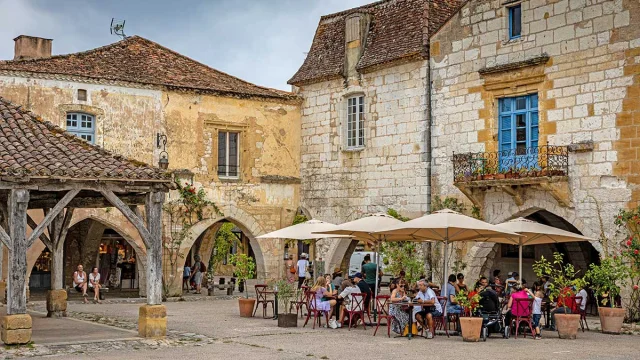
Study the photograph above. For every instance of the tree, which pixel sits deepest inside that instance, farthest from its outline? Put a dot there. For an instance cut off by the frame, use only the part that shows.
(401, 255)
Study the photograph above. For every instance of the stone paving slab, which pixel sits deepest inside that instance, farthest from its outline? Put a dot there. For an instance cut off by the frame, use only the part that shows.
(57, 331)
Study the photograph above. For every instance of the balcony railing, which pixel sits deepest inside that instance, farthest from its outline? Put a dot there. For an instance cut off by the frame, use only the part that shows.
(534, 162)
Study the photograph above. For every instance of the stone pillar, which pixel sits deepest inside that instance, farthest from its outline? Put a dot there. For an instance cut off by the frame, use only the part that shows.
(16, 326)
(152, 318)
(57, 303)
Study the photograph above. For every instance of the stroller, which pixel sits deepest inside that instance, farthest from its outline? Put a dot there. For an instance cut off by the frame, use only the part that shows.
(493, 323)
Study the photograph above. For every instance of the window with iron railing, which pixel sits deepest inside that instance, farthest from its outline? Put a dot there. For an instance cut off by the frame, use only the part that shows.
(228, 154)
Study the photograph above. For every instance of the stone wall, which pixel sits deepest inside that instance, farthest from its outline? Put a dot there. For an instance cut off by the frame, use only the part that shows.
(340, 184)
(582, 89)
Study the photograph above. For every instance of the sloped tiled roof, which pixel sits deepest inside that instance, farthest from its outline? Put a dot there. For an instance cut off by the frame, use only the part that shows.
(31, 147)
(138, 60)
(398, 30)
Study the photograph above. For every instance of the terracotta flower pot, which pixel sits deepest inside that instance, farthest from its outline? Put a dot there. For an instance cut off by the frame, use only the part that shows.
(567, 325)
(611, 319)
(470, 328)
(246, 307)
(288, 320)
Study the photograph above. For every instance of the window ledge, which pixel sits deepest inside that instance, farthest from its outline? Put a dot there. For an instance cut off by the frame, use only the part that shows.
(353, 149)
(229, 179)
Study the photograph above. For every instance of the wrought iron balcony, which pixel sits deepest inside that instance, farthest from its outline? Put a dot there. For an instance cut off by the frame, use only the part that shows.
(520, 163)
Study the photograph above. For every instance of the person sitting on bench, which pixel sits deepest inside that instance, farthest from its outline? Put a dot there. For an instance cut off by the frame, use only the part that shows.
(94, 284)
(80, 282)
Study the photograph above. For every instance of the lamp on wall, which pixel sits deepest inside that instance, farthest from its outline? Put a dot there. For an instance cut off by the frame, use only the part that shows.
(161, 143)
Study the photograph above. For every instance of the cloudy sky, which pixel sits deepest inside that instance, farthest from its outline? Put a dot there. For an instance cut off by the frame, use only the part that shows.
(262, 41)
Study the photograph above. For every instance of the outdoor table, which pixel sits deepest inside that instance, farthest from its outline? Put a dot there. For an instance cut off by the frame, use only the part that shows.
(406, 305)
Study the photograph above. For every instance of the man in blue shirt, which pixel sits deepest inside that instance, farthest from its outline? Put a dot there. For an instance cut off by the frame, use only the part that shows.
(452, 305)
(430, 307)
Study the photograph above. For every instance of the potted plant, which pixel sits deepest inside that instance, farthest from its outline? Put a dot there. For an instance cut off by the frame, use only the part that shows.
(470, 326)
(605, 279)
(244, 269)
(286, 293)
(562, 277)
(501, 174)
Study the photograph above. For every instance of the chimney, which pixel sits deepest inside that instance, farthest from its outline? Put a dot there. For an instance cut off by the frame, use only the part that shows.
(31, 47)
(356, 29)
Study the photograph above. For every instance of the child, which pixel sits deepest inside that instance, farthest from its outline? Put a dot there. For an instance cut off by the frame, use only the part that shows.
(537, 307)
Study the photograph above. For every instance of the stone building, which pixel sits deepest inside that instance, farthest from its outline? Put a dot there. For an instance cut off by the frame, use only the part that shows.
(364, 115)
(521, 108)
(237, 140)
(548, 90)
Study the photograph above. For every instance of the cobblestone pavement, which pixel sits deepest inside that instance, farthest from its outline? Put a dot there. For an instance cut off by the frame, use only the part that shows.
(210, 328)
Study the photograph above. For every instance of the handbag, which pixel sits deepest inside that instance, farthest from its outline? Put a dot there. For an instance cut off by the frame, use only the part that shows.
(292, 269)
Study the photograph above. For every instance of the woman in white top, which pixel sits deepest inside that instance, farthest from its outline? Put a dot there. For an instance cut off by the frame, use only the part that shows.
(80, 282)
(302, 266)
(94, 283)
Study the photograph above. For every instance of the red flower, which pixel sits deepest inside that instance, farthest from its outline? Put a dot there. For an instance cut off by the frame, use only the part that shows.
(635, 287)
(636, 251)
(614, 257)
(628, 242)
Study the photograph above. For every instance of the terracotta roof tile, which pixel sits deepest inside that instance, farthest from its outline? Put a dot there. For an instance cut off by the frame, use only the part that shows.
(31, 147)
(138, 60)
(398, 29)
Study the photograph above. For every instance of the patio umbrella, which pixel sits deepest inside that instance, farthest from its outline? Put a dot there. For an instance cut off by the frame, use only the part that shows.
(537, 234)
(308, 230)
(362, 230)
(447, 226)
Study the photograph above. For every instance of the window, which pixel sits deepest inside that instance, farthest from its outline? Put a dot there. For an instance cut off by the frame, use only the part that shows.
(82, 94)
(355, 122)
(512, 251)
(515, 22)
(82, 126)
(518, 132)
(228, 154)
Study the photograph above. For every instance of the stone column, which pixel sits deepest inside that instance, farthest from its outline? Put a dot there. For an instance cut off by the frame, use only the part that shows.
(16, 326)
(57, 296)
(152, 317)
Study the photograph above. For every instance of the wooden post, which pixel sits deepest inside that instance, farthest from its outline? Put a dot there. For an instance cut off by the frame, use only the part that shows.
(154, 248)
(17, 291)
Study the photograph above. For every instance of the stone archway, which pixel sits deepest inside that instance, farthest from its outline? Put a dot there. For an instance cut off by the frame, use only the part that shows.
(112, 219)
(265, 265)
(480, 258)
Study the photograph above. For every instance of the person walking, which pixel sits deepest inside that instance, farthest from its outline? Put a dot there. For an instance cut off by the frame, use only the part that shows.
(197, 272)
(290, 269)
(302, 267)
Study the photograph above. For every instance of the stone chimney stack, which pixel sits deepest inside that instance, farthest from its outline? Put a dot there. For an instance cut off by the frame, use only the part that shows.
(31, 47)
(356, 29)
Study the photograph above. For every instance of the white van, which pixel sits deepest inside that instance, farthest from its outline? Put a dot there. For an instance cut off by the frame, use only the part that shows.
(355, 265)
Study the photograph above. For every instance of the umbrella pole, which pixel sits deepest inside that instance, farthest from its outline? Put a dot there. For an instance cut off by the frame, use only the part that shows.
(443, 290)
(520, 259)
(375, 310)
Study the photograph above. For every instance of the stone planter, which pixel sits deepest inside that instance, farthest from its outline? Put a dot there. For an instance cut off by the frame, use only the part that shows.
(288, 320)
(246, 307)
(470, 328)
(567, 325)
(611, 319)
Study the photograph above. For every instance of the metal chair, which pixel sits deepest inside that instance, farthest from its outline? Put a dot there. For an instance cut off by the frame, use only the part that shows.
(382, 306)
(312, 309)
(261, 298)
(300, 301)
(357, 309)
(522, 305)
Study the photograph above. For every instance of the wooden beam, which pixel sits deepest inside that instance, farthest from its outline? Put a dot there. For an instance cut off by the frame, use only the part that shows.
(17, 289)
(43, 237)
(5, 238)
(135, 220)
(62, 235)
(84, 202)
(153, 208)
(51, 215)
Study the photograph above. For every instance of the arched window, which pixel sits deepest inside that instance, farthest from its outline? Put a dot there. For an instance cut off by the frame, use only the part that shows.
(82, 126)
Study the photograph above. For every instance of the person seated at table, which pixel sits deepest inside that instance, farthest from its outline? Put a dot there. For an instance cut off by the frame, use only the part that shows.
(332, 291)
(519, 291)
(400, 316)
(511, 281)
(566, 305)
(497, 283)
(337, 278)
(364, 288)
(489, 301)
(452, 305)
(460, 285)
(347, 288)
(394, 282)
(430, 307)
(320, 290)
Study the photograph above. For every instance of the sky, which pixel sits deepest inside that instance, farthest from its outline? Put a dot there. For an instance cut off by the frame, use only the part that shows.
(261, 41)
